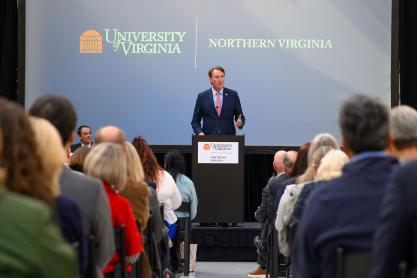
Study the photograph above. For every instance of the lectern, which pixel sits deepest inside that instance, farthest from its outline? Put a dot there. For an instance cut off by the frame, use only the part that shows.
(218, 174)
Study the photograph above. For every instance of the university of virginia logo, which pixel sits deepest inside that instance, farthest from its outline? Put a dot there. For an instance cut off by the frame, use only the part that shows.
(206, 147)
(91, 42)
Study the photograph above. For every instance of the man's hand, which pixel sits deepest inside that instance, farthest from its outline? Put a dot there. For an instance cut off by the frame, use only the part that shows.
(201, 133)
(239, 122)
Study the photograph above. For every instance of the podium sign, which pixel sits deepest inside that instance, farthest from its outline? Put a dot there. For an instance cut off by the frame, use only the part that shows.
(218, 175)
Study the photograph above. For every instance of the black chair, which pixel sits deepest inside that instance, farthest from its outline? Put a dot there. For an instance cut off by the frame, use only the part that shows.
(185, 207)
(119, 237)
(353, 265)
(403, 267)
(273, 255)
(91, 266)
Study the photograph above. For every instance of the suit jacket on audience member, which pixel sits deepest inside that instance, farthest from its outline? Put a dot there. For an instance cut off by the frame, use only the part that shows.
(205, 109)
(30, 243)
(92, 200)
(343, 213)
(74, 147)
(396, 236)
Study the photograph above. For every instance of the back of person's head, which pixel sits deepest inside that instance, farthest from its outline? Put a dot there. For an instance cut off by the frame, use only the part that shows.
(404, 127)
(50, 149)
(134, 166)
(278, 162)
(331, 165)
(314, 163)
(289, 160)
(107, 162)
(110, 134)
(300, 164)
(20, 159)
(149, 162)
(364, 122)
(174, 163)
(59, 111)
(321, 140)
(78, 158)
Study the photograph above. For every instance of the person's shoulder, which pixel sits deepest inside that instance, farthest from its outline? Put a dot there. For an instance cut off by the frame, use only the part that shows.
(76, 179)
(25, 209)
(204, 93)
(408, 170)
(185, 180)
(229, 91)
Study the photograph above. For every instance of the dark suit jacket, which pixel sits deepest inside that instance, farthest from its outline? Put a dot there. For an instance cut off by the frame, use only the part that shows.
(212, 123)
(396, 236)
(342, 213)
(74, 147)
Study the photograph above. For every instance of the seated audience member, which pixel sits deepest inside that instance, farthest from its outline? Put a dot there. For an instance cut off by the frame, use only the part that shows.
(396, 235)
(290, 196)
(110, 134)
(166, 190)
(84, 135)
(78, 158)
(86, 191)
(320, 145)
(66, 211)
(300, 166)
(344, 212)
(107, 161)
(261, 214)
(174, 163)
(136, 191)
(30, 243)
(404, 133)
(330, 167)
(288, 161)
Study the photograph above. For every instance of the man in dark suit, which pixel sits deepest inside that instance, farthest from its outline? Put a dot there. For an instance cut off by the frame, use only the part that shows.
(219, 107)
(84, 135)
(344, 212)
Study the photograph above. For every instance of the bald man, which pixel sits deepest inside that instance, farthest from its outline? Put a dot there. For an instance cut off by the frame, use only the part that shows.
(110, 134)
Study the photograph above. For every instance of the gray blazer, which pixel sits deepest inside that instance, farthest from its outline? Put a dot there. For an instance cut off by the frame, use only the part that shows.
(89, 193)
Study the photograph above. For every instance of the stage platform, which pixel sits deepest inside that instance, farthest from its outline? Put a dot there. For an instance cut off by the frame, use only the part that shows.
(226, 244)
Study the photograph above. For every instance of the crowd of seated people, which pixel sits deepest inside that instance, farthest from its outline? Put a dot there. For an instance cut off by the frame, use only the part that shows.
(59, 212)
(360, 198)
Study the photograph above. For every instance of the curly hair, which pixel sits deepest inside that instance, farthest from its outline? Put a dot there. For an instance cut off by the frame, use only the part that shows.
(24, 170)
(150, 164)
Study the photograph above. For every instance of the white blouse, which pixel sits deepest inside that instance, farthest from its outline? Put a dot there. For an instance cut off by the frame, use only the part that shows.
(169, 195)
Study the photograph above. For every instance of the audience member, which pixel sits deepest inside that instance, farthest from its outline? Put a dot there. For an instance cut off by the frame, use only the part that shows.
(167, 191)
(66, 211)
(404, 133)
(174, 163)
(86, 191)
(84, 135)
(78, 158)
(344, 212)
(30, 244)
(261, 214)
(396, 236)
(136, 191)
(288, 161)
(107, 161)
(288, 199)
(110, 134)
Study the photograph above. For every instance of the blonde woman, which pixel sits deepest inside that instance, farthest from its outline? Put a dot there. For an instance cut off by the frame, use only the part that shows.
(67, 214)
(107, 162)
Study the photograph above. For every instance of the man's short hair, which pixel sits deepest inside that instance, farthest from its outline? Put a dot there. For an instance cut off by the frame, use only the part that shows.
(404, 127)
(59, 111)
(79, 129)
(210, 72)
(364, 122)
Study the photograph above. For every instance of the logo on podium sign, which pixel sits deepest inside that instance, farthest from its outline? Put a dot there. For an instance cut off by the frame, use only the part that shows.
(218, 152)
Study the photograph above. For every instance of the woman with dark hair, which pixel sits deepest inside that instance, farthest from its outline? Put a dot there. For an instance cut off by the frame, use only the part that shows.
(174, 163)
(78, 157)
(166, 189)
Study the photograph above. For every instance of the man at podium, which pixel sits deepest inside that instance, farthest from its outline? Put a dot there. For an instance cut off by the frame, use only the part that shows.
(219, 107)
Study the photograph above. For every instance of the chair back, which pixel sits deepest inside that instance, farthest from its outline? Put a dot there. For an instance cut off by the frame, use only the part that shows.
(185, 207)
(353, 265)
(119, 237)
